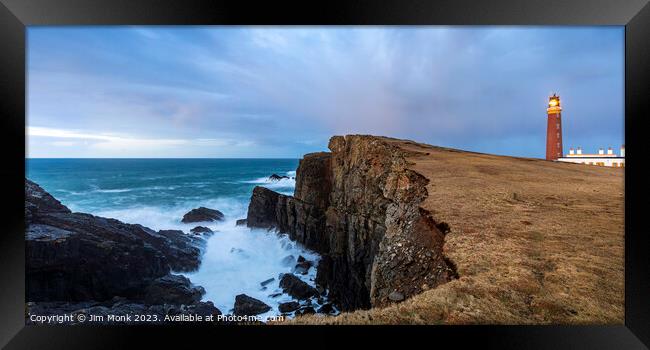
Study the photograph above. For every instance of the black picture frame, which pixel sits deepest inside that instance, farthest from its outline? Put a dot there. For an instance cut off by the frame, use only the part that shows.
(15, 15)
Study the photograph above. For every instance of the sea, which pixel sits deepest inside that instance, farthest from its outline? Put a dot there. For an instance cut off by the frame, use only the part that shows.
(157, 193)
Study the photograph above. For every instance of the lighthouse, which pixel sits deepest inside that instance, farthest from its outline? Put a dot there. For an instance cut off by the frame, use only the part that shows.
(554, 128)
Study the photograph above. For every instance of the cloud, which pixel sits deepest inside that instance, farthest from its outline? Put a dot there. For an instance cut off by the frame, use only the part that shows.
(276, 87)
(112, 144)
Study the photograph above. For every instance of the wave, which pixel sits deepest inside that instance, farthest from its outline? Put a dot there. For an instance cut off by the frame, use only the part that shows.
(256, 254)
(166, 217)
(282, 183)
(96, 189)
(117, 190)
(237, 258)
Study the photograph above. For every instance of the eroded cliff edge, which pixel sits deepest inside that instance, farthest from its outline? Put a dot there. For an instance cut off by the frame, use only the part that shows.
(359, 207)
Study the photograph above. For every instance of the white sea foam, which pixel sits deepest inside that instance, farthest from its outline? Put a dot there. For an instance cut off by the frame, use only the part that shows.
(117, 190)
(169, 217)
(268, 183)
(237, 259)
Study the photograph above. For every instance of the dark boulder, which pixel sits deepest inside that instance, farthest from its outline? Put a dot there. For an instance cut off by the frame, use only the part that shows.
(245, 305)
(241, 222)
(326, 309)
(202, 214)
(302, 267)
(295, 287)
(308, 310)
(288, 307)
(265, 282)
(202, 230)
(205, 309)
(173, 289)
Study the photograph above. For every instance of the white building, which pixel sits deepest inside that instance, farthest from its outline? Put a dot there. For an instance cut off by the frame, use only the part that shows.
(602, 158)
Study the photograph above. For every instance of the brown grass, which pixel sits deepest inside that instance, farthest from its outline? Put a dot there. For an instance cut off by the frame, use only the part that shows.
(535, 242)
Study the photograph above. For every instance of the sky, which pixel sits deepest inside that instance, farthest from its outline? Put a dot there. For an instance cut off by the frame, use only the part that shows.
(281, 92)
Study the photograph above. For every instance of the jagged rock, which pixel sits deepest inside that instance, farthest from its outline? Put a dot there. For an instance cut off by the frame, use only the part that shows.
(302, 267)
(275, 295)
(241, 222)
(202, 230)
(38, 201)
(276, 177)
(173, 289)
(80, 257)
(245, 305)
(320, 289)
(204, 308)
(326, 309)
(288, 307)
(202, 214)
(265, 282)
(182, 250)
(295, 287)
(304, 264)
(305, 311)
(261, 210)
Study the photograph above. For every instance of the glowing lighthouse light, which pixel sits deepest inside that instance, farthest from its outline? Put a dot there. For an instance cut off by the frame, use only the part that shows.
(554, 128)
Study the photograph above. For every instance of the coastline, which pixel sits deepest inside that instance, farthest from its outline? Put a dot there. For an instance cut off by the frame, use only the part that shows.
(478, 238)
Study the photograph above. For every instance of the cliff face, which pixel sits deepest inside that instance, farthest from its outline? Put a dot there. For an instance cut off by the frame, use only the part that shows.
(359, 206)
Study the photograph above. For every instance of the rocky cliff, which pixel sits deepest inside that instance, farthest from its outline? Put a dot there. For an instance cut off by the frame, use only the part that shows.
(359, 207)
(75, 259)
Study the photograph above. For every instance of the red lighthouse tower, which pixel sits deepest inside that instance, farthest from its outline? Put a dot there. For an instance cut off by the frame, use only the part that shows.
(554, 128)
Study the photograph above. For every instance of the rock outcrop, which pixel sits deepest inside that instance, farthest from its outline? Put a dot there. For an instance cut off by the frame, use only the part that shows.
(199, 230)
(276, 177)
(76, 258)
(359, 207)
(296, 288)
(288, 307)
(245, 305)
(202, 214)
(173, 289)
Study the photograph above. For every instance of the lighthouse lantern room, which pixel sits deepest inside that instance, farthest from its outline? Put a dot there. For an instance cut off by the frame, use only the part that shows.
(554, 128)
